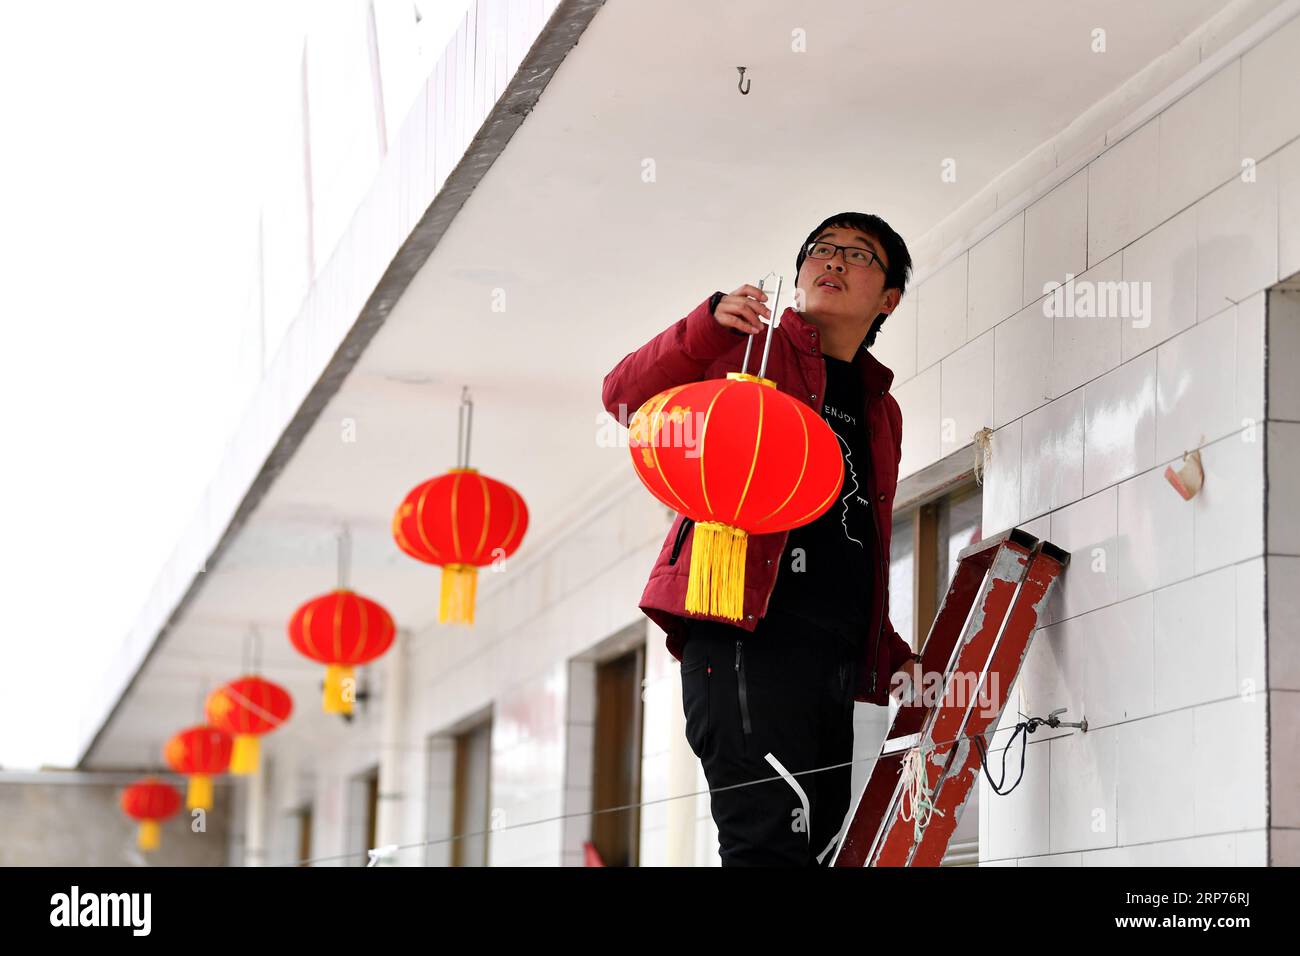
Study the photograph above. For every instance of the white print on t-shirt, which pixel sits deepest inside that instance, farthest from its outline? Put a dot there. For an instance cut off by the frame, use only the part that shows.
(853, 475)
(831, 410)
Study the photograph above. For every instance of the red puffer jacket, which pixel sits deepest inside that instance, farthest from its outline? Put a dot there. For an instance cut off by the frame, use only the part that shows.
(697, 348)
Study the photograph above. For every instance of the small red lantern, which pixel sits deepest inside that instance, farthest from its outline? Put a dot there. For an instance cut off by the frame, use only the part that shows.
(740, 458)
(246, 708)
(150, 801)
(341, 629)
(199, 753)
(461, 520)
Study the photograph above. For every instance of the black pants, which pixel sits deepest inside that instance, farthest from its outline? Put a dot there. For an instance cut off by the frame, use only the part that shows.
(771, 704)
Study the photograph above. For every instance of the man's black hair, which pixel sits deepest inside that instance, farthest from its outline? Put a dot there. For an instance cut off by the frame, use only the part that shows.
(891, 244)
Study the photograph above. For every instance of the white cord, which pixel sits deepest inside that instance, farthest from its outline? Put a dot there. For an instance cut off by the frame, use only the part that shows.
(915, 791)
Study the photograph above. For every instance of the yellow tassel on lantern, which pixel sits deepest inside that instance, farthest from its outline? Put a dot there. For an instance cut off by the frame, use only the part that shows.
(338, 694)
(198, 796)
(149, 835)
(243, 758)
(456, 604)
(716, 584)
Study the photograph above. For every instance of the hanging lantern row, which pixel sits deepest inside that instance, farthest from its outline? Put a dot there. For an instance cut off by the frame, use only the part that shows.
(341, 630)
(200, 753)
(247, 708)
(238, 712)
(150, 801)
(753, 460)
(461, 521)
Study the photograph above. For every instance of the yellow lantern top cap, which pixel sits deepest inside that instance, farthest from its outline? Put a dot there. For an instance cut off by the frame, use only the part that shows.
(746, 377)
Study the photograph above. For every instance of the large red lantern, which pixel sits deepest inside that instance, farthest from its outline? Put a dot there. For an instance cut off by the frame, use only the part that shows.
(740, 458)
(461, 520)
(150, 801)
(199, 753)
(341, 629)
(246, 708)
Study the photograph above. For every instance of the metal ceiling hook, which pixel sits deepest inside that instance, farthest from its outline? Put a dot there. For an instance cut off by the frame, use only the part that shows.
(741, 84)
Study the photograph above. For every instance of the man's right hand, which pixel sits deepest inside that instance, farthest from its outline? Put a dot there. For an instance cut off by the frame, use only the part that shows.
(741, 309)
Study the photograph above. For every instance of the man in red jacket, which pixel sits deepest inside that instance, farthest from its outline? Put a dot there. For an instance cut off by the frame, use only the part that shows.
(770, 697)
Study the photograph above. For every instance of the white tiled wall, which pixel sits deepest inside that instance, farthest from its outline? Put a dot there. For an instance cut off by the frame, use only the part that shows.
(896, 342)
(1083, 351)
(994, 287)
(965, 395)
(1156, 632)
(1199, 140)
(1236, 240)
(1021, 378)
(1051, 456)
(1166, 259)
(1288, 201)
(941, 314)
(1082, 790)
(919, 399)
(1270, 92)
(1124, 192)
(1056, 236)
(1119, 423)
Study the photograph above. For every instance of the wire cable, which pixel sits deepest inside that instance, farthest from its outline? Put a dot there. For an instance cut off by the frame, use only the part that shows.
(373, 853)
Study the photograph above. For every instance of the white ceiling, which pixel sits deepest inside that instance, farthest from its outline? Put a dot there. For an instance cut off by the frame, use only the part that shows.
(594, 261)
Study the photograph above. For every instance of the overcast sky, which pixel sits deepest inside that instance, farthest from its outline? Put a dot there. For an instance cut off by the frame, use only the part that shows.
(143, 140)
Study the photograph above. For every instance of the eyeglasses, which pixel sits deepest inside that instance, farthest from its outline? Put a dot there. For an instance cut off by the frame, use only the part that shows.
(853, 255)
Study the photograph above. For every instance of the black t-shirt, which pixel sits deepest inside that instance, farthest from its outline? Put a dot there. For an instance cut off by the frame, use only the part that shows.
(826, 574)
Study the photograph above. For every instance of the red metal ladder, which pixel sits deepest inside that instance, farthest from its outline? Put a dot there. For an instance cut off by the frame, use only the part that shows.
(977, 642)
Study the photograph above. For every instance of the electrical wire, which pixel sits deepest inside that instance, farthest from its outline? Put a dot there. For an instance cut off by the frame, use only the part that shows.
(380, 852)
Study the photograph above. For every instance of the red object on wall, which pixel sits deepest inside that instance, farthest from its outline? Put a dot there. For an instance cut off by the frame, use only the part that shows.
(150, 801)
(199, 753)
(1189, 477)
(461, 521)
(246, 708)
(341, 629)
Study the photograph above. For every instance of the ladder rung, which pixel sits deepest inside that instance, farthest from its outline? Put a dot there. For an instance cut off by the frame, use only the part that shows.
(899, 744)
